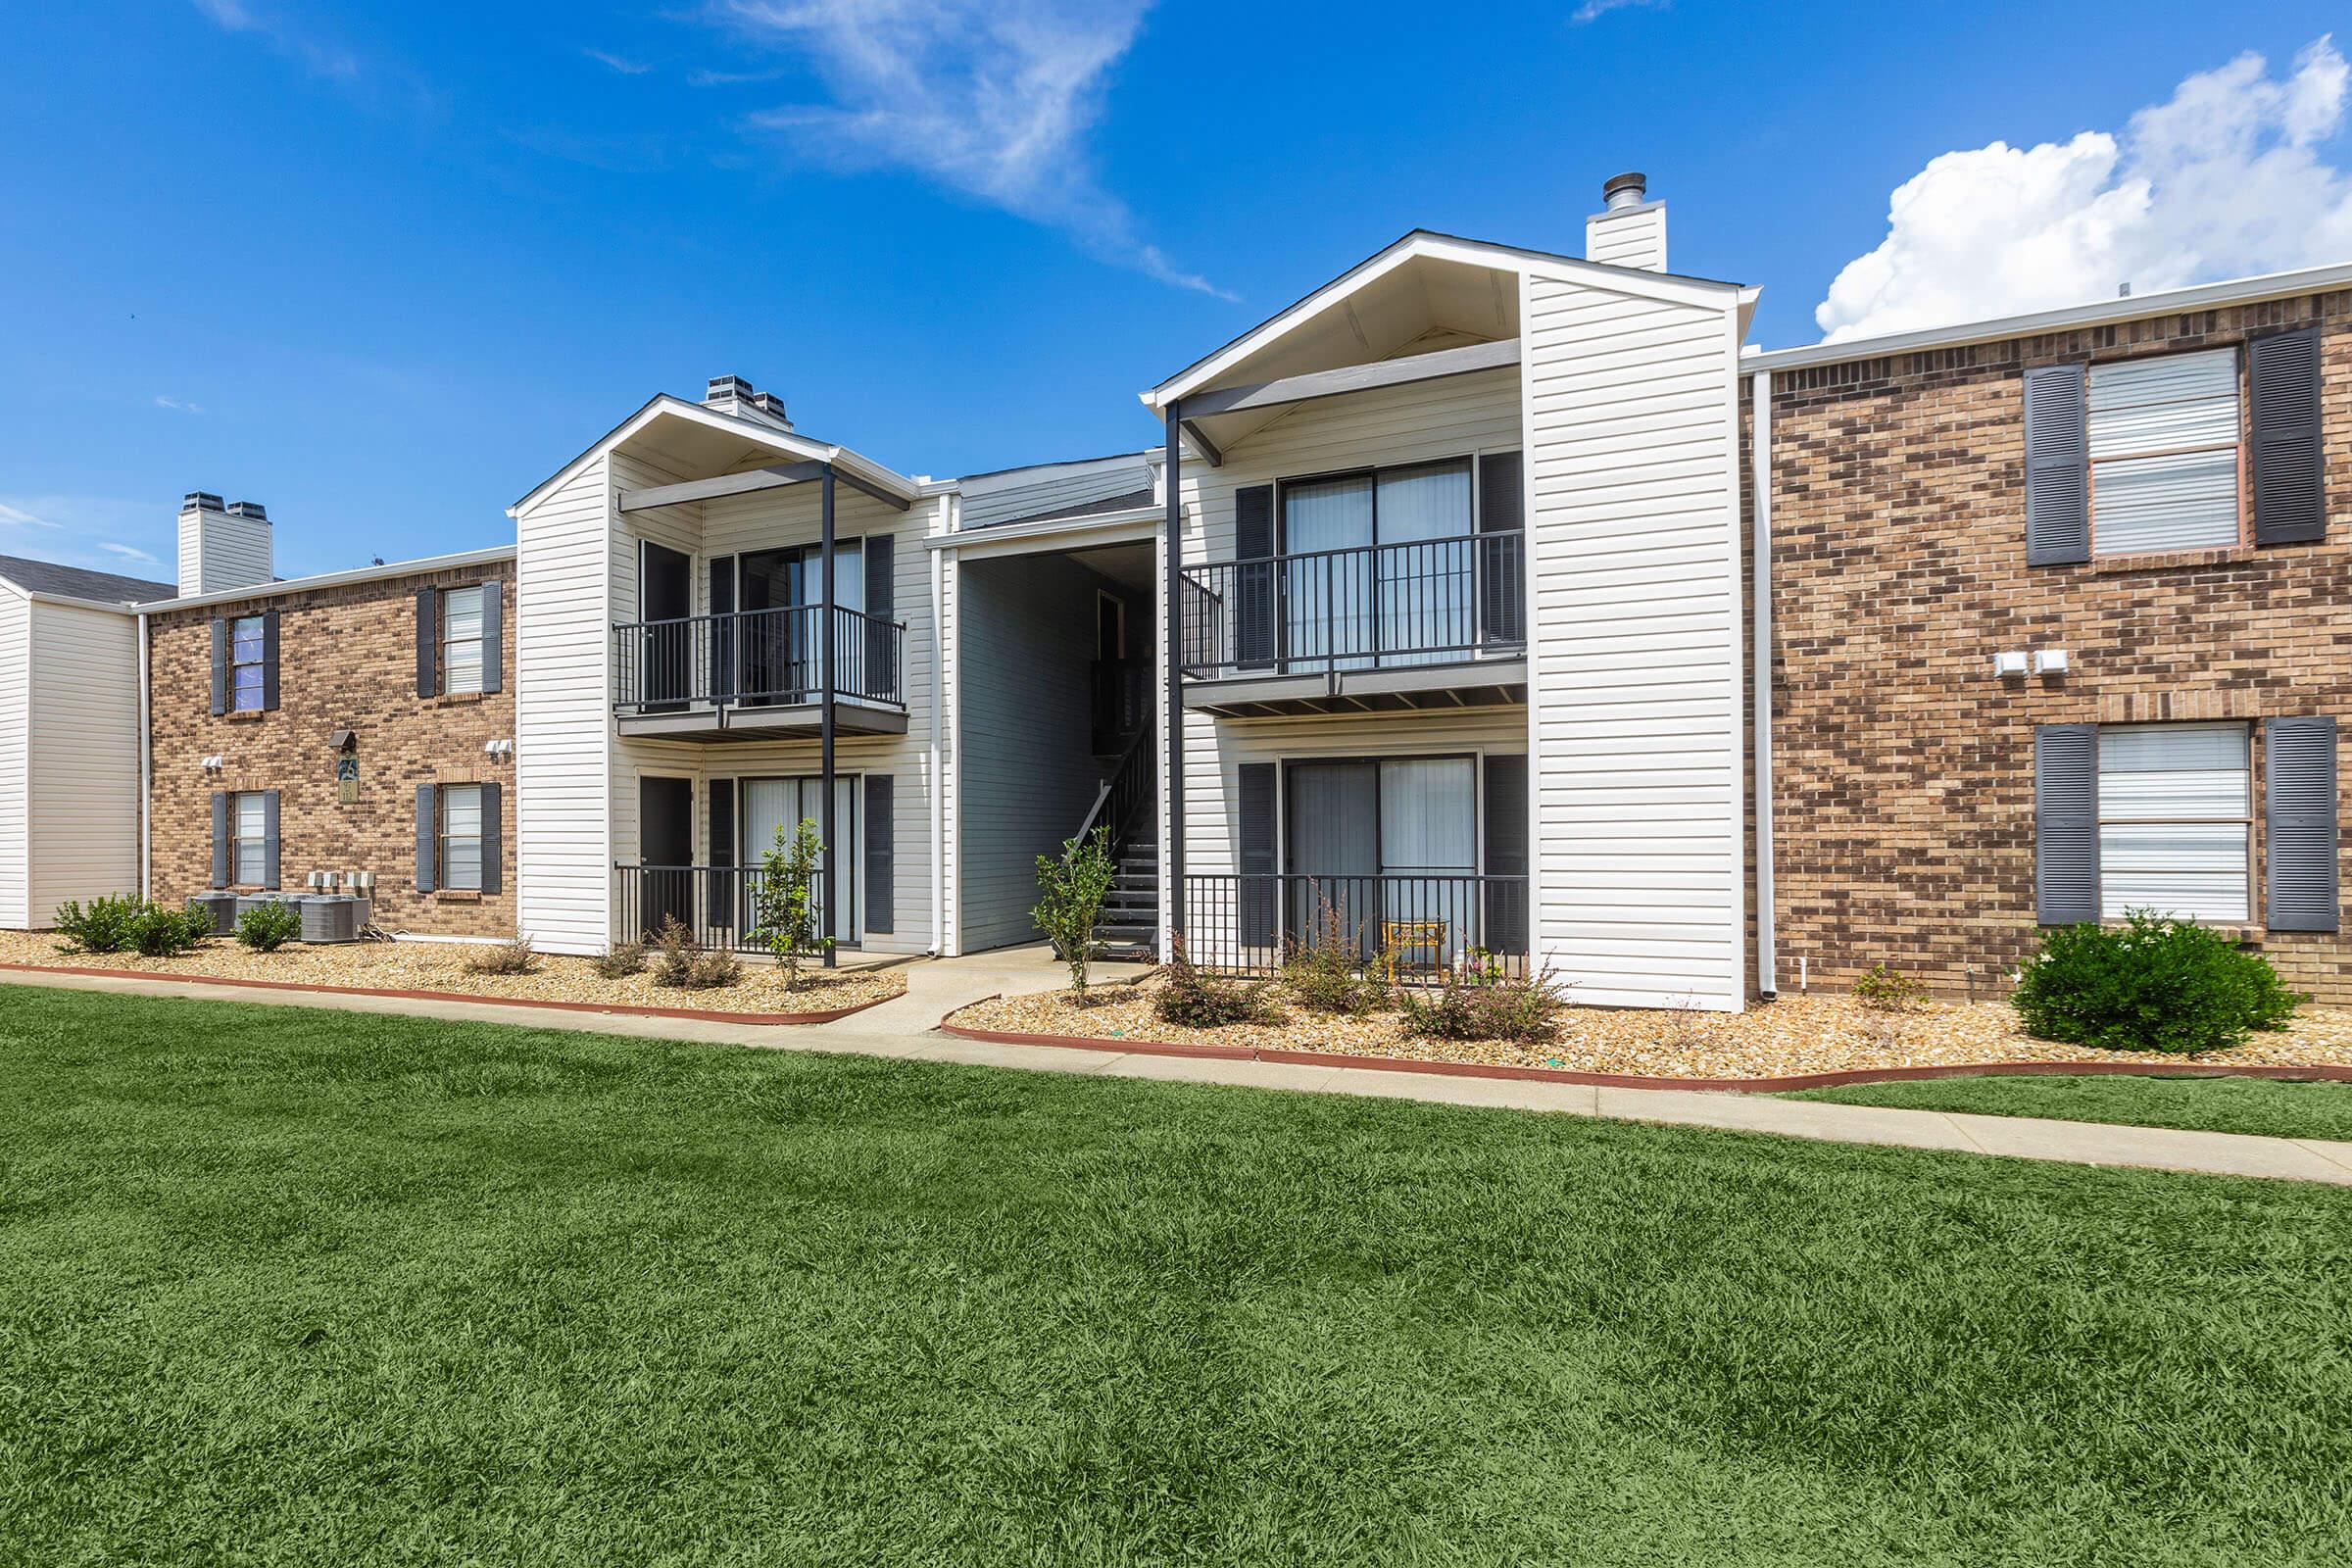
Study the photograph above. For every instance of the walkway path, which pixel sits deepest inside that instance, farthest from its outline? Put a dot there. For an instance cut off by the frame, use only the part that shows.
(905, 1028)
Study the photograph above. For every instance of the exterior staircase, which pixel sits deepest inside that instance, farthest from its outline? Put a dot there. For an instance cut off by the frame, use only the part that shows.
(1130, 924)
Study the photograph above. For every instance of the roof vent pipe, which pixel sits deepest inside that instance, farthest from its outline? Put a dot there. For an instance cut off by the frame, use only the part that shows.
(1620, 191)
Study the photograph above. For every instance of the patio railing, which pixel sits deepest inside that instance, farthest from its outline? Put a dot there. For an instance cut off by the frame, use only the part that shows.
(756, 657)
(1245, 924)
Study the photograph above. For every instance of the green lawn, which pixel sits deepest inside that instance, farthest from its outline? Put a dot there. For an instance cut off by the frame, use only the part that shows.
(2268, 1107)
(280, 1285)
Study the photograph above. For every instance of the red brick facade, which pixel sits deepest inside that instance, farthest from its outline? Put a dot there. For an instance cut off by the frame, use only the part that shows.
(347, 660)
(1903, 765)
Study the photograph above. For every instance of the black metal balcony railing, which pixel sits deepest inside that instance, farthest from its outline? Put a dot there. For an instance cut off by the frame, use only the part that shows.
(718, 904)
(1370, 606)
(1245, 924)
(756, 657)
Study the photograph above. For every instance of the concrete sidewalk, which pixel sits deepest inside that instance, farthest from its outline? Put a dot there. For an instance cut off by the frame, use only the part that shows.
(905, 1028)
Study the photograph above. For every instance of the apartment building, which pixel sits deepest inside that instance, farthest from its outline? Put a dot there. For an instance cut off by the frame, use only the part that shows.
(2057, 620)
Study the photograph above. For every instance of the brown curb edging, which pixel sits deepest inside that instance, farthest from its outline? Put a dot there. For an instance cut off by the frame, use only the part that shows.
(1614, 1080)
(632, 1010)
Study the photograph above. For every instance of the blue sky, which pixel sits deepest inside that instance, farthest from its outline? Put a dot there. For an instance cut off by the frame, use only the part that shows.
(385, 267)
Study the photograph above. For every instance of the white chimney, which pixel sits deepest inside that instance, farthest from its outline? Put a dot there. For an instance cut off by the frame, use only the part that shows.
(221, 548)
(1630, 230)
(732, 393)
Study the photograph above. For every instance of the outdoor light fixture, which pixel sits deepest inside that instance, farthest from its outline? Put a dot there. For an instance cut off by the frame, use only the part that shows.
(500, 747)
(2049, 661)
(214, 764)
(2009, 664)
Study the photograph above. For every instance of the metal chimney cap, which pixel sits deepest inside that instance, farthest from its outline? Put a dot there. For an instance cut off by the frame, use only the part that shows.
(249, 509)
(726, 386)
(1629, 190)
(200, 501)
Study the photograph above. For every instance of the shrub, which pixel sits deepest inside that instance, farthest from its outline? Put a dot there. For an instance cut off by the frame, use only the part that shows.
(1070, 890)
(621, 959)
(268, 927)
(1321, 973)
(1888, 989)
(2152, 984)
(714, 970)
(1200, 1001)
(504, 957)
(784, 915)
(681, 963)
(1474, 1006)
(104, 928)
(157, 932)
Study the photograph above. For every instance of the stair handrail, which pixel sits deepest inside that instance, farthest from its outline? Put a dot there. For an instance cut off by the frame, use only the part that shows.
(1112, 785)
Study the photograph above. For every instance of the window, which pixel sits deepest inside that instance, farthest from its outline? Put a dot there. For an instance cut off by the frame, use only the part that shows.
(2163, 454)
(1384, 841)
(772, 804)
(249, 836)
(248, 648)
(461, 639)
(461, 836)
(2174, 820)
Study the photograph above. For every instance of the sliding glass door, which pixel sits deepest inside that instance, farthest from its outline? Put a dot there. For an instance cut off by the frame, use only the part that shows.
(780, 652)
(1402, 591)
(769, 804)
(1374, 848)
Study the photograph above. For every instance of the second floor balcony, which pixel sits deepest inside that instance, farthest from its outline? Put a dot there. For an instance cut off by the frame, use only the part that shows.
(760, 675)
(1417, 623)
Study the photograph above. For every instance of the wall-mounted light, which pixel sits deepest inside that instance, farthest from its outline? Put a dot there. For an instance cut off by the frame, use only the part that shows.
(500, 747)
(2049, 661)
(214, 764)
(2009, 664)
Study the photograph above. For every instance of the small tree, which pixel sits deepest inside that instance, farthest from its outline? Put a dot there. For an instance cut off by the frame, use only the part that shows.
(1069, 904)
(785, 908)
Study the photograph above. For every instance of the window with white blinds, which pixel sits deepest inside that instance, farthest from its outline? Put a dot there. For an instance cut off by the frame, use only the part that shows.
(250, 837)
(461, 836)
(2163, 454)
(2175, 812)
(461, 639)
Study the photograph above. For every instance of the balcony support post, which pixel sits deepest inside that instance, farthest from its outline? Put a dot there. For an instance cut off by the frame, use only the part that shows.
(1172, 575)
(826, 638)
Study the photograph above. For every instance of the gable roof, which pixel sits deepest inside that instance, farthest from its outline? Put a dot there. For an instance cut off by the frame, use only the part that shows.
(754, 432)
(76, 582)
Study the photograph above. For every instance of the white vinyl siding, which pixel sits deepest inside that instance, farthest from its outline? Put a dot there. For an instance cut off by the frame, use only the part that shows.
(564, 716)
(461, 639)
(2163, 454)
(83, 770)
(1637, 837)
(16, 689)
(2175, 812)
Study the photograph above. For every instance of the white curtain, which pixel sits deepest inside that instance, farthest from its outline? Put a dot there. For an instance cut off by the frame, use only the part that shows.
(1429, 829)
(1428, 592)
(773, 803)
(1326, 601)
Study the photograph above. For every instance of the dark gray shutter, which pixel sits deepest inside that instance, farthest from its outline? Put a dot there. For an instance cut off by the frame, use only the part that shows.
(1506, 930)
(723, 681)
(2298, 789)
(220, 844)
(881, 858)
(220, 667)
(1259, 811)
(720, 836)
(428, 643)
(2057, 466)
(494, 636)
(1254, 593)
(269, 838)
(270, 664)
(2290, 503)
(2066, 823)
(880, 552)
(1501, 568)
(494, 834)
(428, 841)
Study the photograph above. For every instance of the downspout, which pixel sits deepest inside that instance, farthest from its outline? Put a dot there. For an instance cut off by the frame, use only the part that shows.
(828, 643)
(146, 767)
(939, 703)
(1768, 981)
(1172, 702)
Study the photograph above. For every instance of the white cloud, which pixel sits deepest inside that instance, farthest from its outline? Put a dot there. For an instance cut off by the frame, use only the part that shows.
(626, 67)
(993, 98)
(1595, 9)
(177, 405)
(17, 518)
(128, 553)
(319, 59)
(85, 531)
(2226, 177)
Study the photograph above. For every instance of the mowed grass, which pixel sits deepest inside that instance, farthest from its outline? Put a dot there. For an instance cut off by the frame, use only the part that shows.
(2270, 1108)
(280, 1285)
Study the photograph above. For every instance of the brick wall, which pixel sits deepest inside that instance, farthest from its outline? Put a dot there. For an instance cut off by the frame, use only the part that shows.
(1905, 819)
(347, 660)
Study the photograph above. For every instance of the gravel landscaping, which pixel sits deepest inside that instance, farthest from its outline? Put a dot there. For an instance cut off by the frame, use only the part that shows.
(1798, 1034)
(441, 966)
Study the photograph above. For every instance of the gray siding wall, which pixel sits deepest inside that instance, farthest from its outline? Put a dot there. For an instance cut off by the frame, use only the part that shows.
(1028, 773)
(1003, 498)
